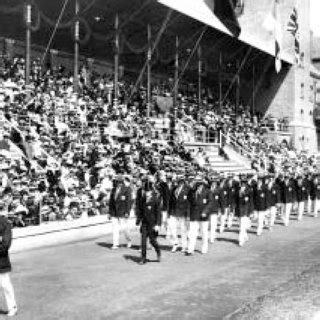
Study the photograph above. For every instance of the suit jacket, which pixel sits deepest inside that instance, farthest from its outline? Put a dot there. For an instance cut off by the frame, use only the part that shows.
(6, 234)
(148, 208)
(289, 194)
(259, 198)
(243, 207)
(164, 191)
(199, 204)
(215, 201)
(179, 205)
(224, 196)
(314, 190)
(120, 202)
(272, 197)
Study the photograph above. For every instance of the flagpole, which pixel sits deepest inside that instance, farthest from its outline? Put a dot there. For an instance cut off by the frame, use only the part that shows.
(149, 72)
(220, 82)
(176, 77)
(28, 42)
(76, 49)
(238, 89)
(116, 61)
(253, 90)
(199, 77)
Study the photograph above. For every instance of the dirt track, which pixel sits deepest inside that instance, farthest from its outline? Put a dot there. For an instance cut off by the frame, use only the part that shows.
(87, 280)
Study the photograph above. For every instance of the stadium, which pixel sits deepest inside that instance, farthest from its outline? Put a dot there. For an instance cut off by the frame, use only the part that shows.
(191, 127)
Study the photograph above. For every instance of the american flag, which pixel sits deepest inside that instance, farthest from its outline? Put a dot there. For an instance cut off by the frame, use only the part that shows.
(293, 28)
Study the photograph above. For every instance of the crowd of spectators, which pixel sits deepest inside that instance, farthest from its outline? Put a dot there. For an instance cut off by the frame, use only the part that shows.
(73, 145)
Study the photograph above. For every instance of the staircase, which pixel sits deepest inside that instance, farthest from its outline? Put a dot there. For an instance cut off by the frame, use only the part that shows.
(218, 162)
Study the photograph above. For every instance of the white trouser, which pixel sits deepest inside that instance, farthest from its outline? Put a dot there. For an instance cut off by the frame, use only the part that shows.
(193, 234)
(230, 218)
(119, 224)
(6, 284)
(273, 213)
(244, 226)
(300, 209)
(315, 207)
(287, 212)
(174, 224)
(261, 217)
(223, 219)
(307, 206)
(213, 226)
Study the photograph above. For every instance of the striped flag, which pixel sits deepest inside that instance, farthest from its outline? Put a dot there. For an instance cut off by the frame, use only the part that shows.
(293, 28)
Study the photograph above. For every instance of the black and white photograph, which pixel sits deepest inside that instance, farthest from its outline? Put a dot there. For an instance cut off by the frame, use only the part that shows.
(160, 159)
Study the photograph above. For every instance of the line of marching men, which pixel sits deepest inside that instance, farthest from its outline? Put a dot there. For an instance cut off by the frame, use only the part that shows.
(187, 205)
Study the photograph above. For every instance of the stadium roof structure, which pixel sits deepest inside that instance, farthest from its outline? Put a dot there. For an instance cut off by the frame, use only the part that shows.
(97, 34)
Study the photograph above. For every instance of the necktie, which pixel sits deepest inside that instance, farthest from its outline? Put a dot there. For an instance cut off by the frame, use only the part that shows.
(117, 192)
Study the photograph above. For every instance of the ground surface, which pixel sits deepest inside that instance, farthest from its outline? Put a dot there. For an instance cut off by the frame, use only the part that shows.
(299, 298)
(87, 280)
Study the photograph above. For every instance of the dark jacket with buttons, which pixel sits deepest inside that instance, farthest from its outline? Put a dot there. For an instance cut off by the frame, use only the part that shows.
(260, 198)
(179, 205)
(243, 208)
(199, 203)
(215, 200)
(148, 209)
(120, 202)
(6, 234)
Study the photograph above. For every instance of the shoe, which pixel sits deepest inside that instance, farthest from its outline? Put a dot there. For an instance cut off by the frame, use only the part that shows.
(212, 240)
(259, 233)
(143, 261)
(159, 256)
(174, 248)
(114, 247)
(241, 243)
(188, 254)
(204, 251)
(12, 312)
(129, 244)
(184, 250)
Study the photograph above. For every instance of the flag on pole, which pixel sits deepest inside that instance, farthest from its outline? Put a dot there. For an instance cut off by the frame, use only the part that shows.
(293, 28)
(273, 25)
(278, 36)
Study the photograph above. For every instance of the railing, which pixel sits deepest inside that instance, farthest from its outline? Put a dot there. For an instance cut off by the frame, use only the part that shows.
(232, 141)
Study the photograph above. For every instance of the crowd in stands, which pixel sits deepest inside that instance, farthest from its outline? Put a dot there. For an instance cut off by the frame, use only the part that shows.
(73, 145)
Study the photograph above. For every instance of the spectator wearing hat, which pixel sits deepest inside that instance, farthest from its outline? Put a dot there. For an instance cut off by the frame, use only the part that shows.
(199, 215)
(148, 213)
(179, 211)
(5, 264)
(119, 210)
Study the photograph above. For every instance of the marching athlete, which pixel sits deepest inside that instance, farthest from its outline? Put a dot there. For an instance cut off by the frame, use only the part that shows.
(148, 213)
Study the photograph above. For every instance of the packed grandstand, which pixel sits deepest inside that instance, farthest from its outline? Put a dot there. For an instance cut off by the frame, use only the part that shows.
(71, 148)
(63, 146)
